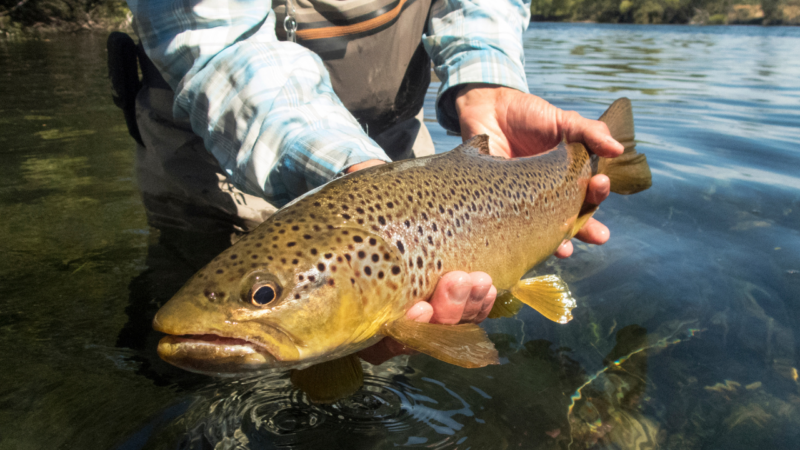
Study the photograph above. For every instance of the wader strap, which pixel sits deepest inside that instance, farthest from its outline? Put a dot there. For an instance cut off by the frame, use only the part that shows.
(151, 77)
(124, 75)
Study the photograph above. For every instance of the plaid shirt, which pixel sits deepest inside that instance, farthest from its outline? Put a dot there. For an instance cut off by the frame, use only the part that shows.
(266, 109)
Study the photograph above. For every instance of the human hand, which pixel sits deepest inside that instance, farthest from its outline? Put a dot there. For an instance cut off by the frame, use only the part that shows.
(459, 297)
(520, 124)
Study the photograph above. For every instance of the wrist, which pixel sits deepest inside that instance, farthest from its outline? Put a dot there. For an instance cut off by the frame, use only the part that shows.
(364, 165)
(478, 95)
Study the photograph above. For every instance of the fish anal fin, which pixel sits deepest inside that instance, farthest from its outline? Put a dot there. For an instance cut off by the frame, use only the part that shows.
(587, 210)
(465, 345)
(330, 381)
(505, 305)
(548, 294)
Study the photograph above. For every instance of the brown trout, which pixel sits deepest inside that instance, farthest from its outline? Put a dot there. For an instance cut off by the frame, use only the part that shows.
(336, 270)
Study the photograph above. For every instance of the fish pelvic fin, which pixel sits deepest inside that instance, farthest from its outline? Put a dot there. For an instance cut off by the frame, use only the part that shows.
(548, 294)
(330, 381)
(465, 345)
(629, 172)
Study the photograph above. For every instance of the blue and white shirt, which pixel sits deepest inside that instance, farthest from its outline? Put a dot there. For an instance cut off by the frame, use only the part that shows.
(266, 109)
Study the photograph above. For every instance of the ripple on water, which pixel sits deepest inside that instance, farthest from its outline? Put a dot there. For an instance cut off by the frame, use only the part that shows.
(393, 405)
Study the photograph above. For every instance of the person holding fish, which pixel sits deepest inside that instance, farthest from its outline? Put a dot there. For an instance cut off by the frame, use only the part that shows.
(248, 105)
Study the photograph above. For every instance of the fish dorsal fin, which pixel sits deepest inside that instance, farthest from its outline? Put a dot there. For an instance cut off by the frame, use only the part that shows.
(478, 145)
(465, 345)
(548, 294)
(330, 381)
(619, 119)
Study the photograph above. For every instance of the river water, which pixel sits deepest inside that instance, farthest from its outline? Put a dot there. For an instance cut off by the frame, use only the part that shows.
(685, 337)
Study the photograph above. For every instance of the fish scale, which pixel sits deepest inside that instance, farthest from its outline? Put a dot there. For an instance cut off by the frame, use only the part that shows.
(339, 267)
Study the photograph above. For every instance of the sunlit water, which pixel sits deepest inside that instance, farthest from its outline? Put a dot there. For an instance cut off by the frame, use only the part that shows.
(686, 331)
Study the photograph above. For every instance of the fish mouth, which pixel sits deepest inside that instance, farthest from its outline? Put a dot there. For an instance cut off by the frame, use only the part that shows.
(213, 354)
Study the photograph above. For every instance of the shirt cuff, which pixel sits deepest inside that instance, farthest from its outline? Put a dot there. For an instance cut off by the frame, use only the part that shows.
(476, 66)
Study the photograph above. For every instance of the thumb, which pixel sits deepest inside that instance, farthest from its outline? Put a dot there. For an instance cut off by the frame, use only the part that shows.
(420, 312)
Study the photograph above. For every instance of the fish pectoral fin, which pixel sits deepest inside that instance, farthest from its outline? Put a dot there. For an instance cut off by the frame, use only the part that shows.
(330, 381)
(548, 294)
(586, 213)
(465, 345)
(505, 305)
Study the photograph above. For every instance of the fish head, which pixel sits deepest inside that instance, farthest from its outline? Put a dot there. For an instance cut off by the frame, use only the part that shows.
(283, 303)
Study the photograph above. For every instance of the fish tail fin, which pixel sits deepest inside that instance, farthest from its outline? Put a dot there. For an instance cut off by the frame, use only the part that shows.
(629, 172)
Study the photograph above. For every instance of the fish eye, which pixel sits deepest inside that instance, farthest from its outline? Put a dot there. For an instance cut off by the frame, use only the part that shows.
(263, 293)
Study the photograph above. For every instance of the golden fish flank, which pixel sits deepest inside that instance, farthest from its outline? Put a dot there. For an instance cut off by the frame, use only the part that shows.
(336, 270)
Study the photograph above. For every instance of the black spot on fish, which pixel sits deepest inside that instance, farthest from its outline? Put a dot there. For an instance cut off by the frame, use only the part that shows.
(375, 257)
(331, 282)
(361, 254)
(401, 247)
(390, 205)
(372, 241)
(357, 239)
(419, 262)
(346, 216)
(291, 244)
(295, 228)
(294, 261)
(220, 271)
(347, 256)
(381, 220)
(380, 275)
(367, 270)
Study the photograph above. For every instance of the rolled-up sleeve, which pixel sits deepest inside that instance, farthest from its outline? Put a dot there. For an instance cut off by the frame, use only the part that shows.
(265, 109)
(477, 41)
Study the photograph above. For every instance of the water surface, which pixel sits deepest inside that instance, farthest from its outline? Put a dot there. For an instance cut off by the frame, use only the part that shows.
(684, 336)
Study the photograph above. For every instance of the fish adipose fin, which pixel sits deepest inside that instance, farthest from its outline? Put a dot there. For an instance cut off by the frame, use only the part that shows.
(330, 381)
(548, 294)
(478, 145)
(505, 305)
(465, 345)
(629, 173)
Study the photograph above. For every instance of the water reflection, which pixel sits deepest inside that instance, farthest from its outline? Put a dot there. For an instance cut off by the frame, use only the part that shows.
(400, 406)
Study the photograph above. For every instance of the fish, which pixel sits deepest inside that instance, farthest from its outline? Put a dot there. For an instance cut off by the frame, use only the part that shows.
(336, 270)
